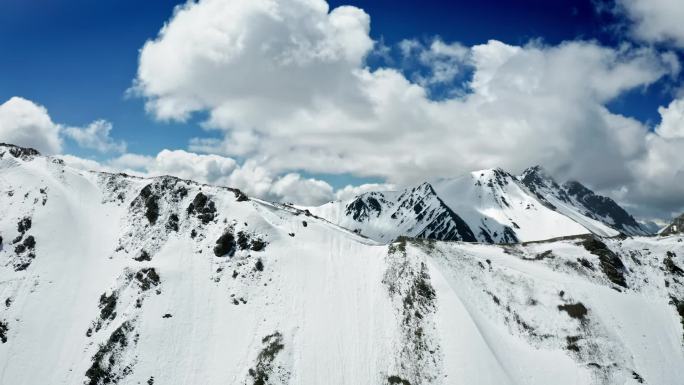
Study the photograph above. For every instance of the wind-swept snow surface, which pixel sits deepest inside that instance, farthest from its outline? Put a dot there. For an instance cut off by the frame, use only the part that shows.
(111, 279)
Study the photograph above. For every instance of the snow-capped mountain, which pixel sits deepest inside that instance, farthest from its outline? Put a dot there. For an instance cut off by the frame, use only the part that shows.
(113, 279)
(676, 227)
(415, 212)
(573, 198)
(492, 205)
(500, 210)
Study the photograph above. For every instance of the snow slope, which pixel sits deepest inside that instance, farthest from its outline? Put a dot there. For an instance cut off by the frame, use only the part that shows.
(112, 279)
(499, 210)
(601, 215)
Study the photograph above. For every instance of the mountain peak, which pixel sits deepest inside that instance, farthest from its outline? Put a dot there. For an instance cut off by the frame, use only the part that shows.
(490, 172)
(535, 168)
(576, 188)
(537, 176)
(535, 171)
(489, 206)
(383, 216)
(425, 187)
(676, 227)
(18, 151)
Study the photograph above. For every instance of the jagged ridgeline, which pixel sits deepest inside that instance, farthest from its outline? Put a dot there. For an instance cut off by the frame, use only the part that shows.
(488, 206)
(113, 279)
(676, 227)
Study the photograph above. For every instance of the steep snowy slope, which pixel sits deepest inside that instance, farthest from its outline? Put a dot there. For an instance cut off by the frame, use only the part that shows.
(111, 279)
(124, 282)
(383, 216)
(601, 215)
(499, 210)
(615, 306)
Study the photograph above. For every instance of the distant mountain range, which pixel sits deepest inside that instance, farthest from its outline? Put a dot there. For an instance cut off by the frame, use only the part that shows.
(488, 206)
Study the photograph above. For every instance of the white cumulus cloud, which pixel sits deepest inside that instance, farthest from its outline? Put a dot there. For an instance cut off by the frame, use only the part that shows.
(297, 48)
(255, 180)
(95, 136)
(350, 191)
(307, 191)
(672, 120)
(287, 84)
(27, 124)
(445, 61)
(656, 20)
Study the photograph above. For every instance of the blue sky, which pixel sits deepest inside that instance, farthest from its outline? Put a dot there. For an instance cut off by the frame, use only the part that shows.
(78, 58)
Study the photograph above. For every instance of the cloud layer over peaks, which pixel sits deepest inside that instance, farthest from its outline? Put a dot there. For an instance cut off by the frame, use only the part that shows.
(287, 83)
(255, 180)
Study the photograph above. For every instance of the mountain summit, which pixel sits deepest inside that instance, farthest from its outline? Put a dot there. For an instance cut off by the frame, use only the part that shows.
(489, 206)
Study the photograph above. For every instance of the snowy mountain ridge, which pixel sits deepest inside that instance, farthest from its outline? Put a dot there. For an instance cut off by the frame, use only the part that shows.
(572, 197)
(493, 205)
(431, 218)
(675, 227)
(113, 279)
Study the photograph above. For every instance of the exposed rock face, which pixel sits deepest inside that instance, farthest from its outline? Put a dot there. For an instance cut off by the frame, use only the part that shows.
(610, 263)
(225, 245)
(676, 227)
(203, 207)
(603, 209)
(415, 212)
(25, 153)
(573, 196)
